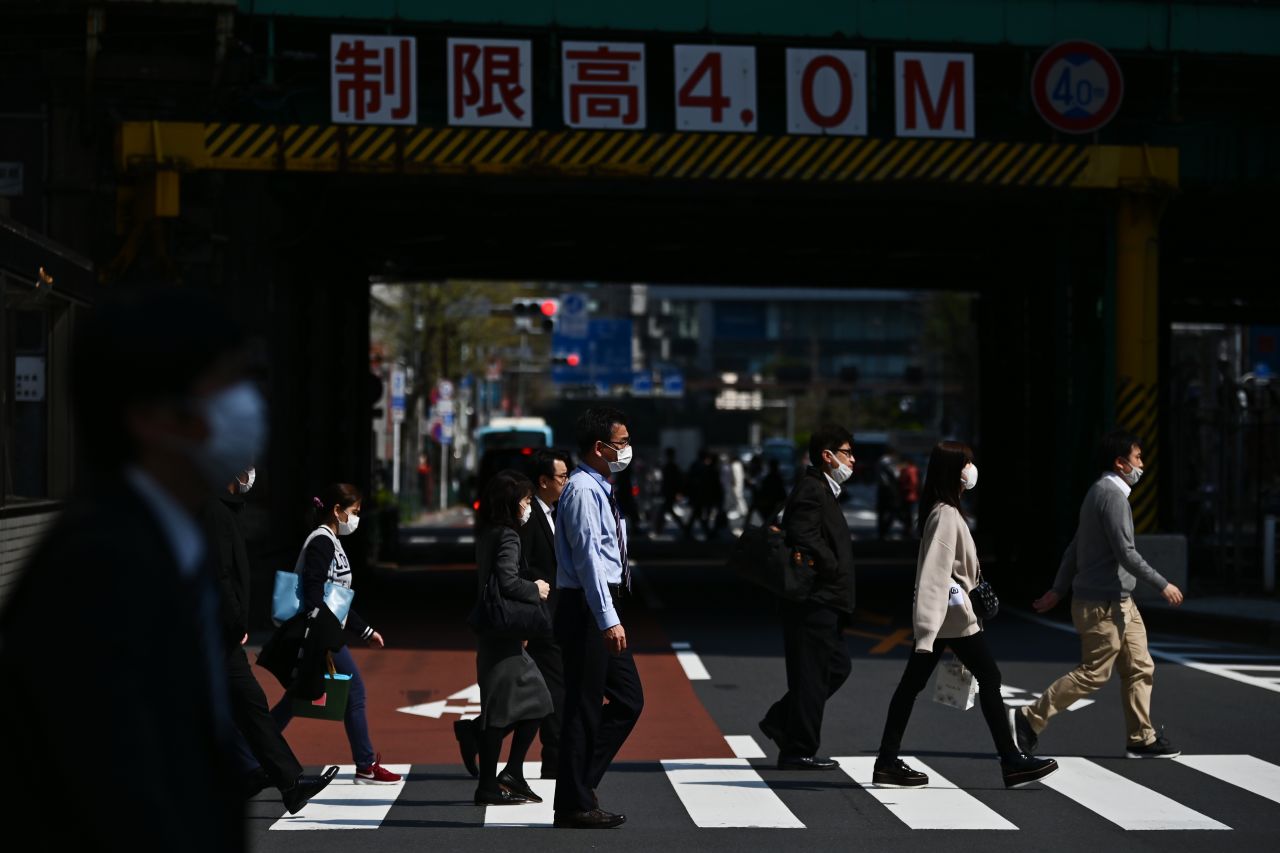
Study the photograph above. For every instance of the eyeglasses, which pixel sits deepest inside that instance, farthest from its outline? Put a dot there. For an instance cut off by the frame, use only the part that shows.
(618, 445)
(560, 478)
(847, 451)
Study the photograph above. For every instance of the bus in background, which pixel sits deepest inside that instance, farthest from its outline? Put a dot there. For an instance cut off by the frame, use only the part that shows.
(507, 443)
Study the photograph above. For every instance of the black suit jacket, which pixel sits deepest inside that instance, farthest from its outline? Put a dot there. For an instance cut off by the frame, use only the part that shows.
(815, 525)
(230, 561)
(538, 545)
(108, 661)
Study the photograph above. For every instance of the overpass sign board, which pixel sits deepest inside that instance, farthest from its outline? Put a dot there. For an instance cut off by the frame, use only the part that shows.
(1077, 86)
(716, 88)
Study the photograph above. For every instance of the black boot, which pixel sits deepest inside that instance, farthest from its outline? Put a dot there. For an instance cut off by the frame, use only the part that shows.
(1022, 769)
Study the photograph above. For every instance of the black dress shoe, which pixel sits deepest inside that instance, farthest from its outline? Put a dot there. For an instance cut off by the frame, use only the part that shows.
(593, 819)
(518, 786)
(896, 774)
(1020, 770)
(305, 788)
(806, 762)
(498, 797)
(255, 783)
(468, 745)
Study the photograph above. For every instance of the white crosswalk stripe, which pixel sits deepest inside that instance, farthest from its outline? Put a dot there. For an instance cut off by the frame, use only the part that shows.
(939, 805)
(526, 814)
(728, 792)
(1123, 802)
(1243, 771)
(346, 805)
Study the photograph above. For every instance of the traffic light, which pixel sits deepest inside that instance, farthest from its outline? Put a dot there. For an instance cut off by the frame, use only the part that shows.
(571, 359)
(536, 315)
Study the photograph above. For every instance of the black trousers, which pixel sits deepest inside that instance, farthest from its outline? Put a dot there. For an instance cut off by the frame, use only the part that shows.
(546, 654)
(817, 665)
(592, 732)
(253, 719)
(976, 656)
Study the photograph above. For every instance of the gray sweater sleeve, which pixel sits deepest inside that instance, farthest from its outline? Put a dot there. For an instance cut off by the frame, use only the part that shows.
(1117, 526)
(1066, 570)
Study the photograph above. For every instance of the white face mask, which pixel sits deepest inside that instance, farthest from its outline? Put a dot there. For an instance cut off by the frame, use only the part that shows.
(969, 476)
(623, 460)
(237, 421)
(245, 487)
(841, 473)
(346, 528)
(526, 514)
(1134, 475)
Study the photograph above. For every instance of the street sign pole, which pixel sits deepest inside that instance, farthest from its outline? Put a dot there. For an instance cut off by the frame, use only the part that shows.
(444, 475)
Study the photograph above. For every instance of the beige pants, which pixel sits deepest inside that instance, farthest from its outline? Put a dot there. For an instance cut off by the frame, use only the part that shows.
(1111, 635)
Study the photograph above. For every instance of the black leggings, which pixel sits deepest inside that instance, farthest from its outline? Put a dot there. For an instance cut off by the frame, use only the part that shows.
(976, 657)
(491, 749)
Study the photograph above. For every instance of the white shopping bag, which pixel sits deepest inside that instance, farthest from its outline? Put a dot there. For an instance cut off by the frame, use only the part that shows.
(955, 685)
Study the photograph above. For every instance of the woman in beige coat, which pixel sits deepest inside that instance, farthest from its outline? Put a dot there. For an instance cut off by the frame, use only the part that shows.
(947, 569)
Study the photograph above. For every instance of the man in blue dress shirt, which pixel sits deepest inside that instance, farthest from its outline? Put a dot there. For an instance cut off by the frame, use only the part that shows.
(594, 583)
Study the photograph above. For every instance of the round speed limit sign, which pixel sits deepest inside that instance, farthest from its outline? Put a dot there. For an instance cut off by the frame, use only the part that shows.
(1077, 86)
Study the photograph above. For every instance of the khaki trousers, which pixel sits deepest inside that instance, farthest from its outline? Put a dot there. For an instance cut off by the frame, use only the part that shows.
(1111, 635)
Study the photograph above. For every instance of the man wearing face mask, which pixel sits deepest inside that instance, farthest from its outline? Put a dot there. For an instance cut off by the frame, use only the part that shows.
(272, 761)
(817, 658)
(1101, 568)
(110, 650)
(594, 583)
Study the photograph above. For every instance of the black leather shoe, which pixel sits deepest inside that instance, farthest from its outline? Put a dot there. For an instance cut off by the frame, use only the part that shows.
(1020, 770)
(468, 745)
(498, 797)
(593, 819)
(518, 786)
(305, 788)
(896, 774)
(255, 783)
(806, 762)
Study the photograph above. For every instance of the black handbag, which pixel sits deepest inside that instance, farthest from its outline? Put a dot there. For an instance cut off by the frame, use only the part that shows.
(499, 616)
(986, 604)
(762, 557)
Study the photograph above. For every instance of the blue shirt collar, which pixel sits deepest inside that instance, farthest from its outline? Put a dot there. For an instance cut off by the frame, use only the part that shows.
(596, 475)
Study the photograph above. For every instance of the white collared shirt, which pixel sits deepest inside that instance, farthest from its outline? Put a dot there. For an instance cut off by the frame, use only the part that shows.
(835, 487)
(184, 534)
(546, 510)
(1120, 484)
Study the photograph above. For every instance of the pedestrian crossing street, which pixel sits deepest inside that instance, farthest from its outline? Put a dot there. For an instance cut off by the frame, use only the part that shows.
(722, 793)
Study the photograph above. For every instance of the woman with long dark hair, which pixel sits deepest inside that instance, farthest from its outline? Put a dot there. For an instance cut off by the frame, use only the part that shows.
(335, 514)
(513, 696)
(947, 569)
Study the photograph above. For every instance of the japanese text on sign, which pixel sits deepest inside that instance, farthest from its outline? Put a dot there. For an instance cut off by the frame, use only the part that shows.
(489, 82)
(373, 79)
(604, 85)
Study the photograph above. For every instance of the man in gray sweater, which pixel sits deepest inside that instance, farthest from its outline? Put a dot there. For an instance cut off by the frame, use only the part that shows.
(1101, 567)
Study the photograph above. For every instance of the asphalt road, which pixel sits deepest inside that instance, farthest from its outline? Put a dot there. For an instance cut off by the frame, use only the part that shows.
(682, 784)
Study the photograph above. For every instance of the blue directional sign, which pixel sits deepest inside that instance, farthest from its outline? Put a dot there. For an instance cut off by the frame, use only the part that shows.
(604, 354)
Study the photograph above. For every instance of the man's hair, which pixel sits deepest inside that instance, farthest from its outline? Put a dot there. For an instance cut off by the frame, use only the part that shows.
(544, 462)
(827, 437)
(1118, 443)
(596, 424)
(142, 346)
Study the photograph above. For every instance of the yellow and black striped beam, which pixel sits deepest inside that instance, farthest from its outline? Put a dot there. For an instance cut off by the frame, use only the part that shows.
(1136, 410)
(187, 146)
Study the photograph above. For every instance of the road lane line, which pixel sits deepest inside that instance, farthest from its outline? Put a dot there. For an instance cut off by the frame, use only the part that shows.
(720, 793)
(346, 805)
(526, 815)
(938, 805)
(1244, 771)
(691, 663)
(1123, 802)
(744, 746)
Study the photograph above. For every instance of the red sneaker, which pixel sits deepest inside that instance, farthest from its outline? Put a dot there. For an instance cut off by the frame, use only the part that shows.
(376, 774)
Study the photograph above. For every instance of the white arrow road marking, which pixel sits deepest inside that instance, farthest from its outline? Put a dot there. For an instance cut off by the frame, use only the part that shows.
(470, 694)
(467, 710)
(1016, 697)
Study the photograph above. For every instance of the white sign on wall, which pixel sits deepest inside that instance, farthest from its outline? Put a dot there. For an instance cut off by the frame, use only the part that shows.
(603, 85)
(373, 79)
(933, 94)
(490, 82)
(716, 88)
(827, 92)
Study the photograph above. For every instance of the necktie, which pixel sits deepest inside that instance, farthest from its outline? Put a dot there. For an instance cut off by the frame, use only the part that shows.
(622, 545)
(553, 511)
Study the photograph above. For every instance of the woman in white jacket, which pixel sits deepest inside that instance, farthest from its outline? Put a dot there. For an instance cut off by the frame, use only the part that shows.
(947, 569)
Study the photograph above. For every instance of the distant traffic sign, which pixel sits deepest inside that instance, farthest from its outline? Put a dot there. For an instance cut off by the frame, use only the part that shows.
(1077, 86)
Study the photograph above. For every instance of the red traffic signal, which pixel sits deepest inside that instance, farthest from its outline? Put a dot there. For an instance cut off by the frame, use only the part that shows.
(572, 359)
(549, 308)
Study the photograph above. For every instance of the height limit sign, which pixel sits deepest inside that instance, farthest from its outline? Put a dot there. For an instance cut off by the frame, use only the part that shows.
(1077, 86)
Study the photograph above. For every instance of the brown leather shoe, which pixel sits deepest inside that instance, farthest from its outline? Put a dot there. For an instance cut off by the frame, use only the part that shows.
(593, 819)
